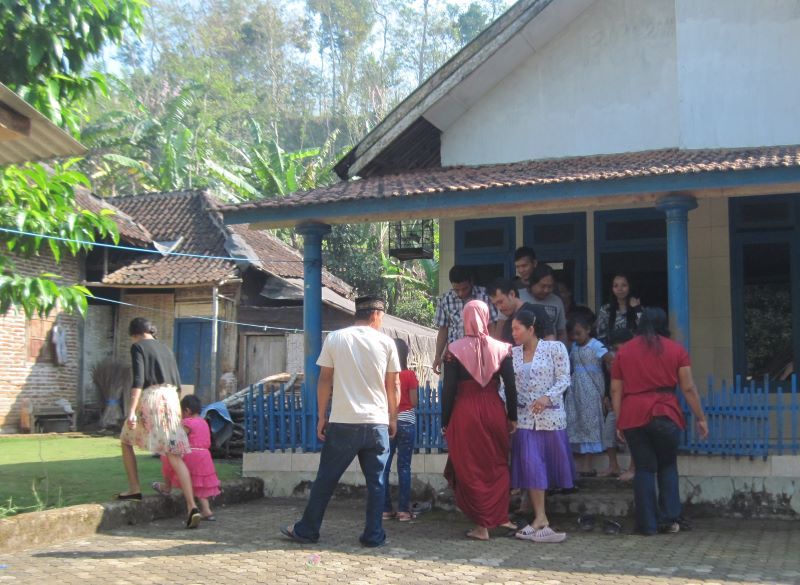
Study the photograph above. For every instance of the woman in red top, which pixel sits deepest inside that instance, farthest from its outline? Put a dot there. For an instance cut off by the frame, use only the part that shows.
(645, 373)
(403, 441)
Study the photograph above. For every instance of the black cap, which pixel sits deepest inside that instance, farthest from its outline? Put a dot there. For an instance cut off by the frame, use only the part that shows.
(370, 303)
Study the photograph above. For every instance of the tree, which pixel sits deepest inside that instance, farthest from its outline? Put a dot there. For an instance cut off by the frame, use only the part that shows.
(38, 201)
(45, 46)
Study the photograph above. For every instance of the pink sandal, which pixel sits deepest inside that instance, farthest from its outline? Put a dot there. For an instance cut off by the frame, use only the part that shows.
(159, 488)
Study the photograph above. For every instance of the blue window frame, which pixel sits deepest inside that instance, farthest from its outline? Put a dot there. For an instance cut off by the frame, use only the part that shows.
(560, 238)
(487, 246)
(765, 285)
(634, 242)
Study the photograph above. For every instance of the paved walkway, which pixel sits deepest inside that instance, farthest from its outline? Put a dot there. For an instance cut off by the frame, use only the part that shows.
(244, 546)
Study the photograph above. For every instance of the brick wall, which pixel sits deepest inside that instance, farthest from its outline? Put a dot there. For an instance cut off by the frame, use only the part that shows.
(22, 374)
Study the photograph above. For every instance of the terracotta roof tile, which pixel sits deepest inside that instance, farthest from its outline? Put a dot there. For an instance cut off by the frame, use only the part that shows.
(609, 167)
(129, 231)
(191, 215)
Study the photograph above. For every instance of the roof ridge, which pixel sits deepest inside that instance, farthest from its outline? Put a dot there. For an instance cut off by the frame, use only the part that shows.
(159, 194)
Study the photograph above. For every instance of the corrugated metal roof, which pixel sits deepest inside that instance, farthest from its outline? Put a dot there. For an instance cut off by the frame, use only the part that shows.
(46, 140)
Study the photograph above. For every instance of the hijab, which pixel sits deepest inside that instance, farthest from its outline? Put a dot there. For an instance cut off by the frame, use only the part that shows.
(480, 354)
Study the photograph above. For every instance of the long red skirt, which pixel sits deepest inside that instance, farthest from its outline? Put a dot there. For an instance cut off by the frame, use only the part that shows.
(478, 444)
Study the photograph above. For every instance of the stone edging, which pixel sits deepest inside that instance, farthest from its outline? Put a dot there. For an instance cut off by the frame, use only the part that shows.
(35, 529)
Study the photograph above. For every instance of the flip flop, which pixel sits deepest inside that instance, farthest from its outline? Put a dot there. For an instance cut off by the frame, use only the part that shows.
(469, 534)
(548, 535)
(289, 533)
(608, 474)
(405, 516)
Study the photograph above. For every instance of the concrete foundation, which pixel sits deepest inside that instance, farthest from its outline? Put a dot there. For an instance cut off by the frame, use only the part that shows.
(710, 485)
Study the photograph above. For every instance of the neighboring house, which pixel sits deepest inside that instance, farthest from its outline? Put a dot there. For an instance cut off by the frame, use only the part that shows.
(658, 137)
(29, 369)
(256, 301)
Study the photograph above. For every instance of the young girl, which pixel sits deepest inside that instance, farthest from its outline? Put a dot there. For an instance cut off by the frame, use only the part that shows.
(204, 477)
(584, 400)
(621, 312)
(616, 340)
(403, 442)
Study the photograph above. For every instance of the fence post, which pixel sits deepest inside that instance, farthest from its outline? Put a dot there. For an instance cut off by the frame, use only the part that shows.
(260, 415)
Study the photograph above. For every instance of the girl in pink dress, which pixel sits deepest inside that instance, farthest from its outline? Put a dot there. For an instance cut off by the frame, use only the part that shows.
(205, 482)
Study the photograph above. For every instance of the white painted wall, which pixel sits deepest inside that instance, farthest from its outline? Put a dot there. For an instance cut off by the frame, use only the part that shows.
(606, 84)
(737, 72)
(631, 75)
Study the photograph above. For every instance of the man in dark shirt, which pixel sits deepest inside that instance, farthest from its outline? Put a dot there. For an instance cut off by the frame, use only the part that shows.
(504, 296)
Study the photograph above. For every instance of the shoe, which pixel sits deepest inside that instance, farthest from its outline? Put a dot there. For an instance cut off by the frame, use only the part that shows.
(670, 528)
(543, 534)
(211, 518)
(288, 532)
(193, 519)
(368, 544)
(418, 508)
(587, 522)
(137, 496)
(611, 527)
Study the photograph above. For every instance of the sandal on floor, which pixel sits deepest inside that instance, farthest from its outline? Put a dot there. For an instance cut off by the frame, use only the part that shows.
(159, 488)
(611, 527)
(469, 534)
(288, 532)
(608, 473)
(525, 533)
(405, 516)
(388, 515)
(586, 522)
(547, 534)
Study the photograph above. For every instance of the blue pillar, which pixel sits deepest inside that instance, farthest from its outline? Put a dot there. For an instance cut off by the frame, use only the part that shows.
(312, 323)
(676, 208)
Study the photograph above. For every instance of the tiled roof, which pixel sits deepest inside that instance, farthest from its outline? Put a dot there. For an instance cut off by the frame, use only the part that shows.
(129, 231)
(608, 167)
(269, 248)
(190, 215)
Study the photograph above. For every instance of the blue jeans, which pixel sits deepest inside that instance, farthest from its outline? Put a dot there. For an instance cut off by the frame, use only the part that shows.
(343, 442)
(654, 448)
(403, 443)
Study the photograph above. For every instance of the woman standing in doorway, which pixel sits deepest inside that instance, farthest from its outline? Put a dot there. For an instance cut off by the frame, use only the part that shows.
(154, 421)
(621, 312)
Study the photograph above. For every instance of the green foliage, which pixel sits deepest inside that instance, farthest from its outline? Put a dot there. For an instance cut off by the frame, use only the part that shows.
(261, 168)
(45, 46)
(37, 200)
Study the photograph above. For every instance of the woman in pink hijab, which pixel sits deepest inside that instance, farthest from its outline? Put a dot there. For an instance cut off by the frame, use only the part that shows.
(477, 424)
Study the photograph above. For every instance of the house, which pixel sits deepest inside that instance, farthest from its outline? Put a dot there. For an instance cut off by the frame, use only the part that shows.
(247, 282)
(28, 365)
(659, 137)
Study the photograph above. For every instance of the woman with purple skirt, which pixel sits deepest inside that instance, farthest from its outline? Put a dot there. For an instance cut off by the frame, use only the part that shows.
(540, 451)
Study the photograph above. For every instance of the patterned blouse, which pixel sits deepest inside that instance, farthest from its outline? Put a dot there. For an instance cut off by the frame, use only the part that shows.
(547, 374)
(604, 328)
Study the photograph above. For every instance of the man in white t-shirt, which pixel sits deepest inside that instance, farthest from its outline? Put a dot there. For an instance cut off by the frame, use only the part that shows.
(359, 370)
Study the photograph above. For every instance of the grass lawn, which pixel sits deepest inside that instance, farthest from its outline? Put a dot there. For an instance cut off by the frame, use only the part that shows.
(70, 469)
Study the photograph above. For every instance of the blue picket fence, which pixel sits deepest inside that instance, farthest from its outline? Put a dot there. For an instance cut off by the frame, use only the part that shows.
(744, 418)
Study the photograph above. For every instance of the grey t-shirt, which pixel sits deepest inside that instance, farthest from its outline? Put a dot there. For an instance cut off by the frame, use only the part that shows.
(555, 309)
